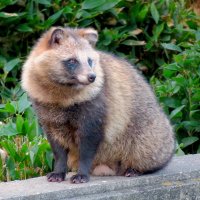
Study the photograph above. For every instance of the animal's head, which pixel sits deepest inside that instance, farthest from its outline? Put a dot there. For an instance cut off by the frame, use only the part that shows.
(66, 56)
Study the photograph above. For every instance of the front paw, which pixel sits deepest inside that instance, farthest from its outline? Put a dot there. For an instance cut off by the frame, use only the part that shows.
(79, 178)
(56, 177)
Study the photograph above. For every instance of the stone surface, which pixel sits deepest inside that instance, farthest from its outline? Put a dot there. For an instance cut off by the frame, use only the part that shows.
(179, 180)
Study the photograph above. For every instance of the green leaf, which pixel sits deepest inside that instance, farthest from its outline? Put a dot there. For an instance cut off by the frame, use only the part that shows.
(196, 96)
(83, 14)
(157, 31)
(52, 19)
(176, 89)
(187, 141)
(171, 46)
(24, 28)
(195, 112)
(172, 67)
(9, 108)
(67, 9)
(8, 129)
(197, 35)
(11, 64)
(154, 12)
(149, 45)
(19, 123)
(170, 102)
(99, 5)
(143, 13)
(4, 3)
(180, 80)
(190, 125)
(8, 15)
(134, 43)
(33, 153)
(107, 5)
(90, 4)
(44, 2)
(168, 73)
(10, 164)
(23, 103)
(10, 148)
(176, 111)
(179, 152)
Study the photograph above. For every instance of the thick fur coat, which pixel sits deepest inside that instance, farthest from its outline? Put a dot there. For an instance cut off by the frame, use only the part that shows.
(99, 114)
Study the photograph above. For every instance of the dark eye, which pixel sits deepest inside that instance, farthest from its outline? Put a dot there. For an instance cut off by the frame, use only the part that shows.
(90, 62)
(71, 63)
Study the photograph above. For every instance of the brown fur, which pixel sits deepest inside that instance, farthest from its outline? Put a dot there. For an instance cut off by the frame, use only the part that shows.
(103, 170)
(195, 4)
(136, 131)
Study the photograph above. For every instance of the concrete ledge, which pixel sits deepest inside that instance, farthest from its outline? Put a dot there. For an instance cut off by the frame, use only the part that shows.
(179, 180)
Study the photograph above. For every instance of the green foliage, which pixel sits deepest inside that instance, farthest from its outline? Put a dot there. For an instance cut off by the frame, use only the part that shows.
(29, 152)
(179, 93)
(161, 38)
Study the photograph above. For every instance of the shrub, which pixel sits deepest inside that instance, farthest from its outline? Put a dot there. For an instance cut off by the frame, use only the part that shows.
(179, 93)
(161, 38)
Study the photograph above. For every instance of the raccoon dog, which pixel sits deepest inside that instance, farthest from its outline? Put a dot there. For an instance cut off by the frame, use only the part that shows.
(99, 114)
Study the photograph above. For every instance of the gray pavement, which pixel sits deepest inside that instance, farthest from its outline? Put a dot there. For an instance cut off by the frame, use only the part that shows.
(179, 180)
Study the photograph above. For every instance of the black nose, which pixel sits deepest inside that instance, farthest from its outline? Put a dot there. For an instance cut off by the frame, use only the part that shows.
(91, 77)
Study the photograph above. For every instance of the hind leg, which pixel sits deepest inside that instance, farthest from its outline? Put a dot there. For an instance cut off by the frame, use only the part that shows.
(130, 172)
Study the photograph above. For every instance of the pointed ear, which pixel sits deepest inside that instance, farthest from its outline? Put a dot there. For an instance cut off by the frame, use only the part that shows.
(57, 36)
(89, 34)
